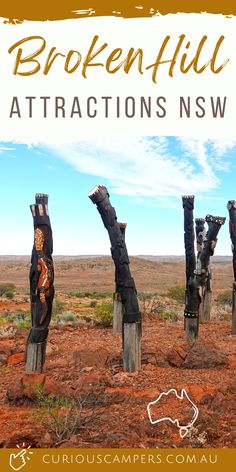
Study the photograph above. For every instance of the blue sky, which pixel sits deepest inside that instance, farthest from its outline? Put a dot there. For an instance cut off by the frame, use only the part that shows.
(145, 178)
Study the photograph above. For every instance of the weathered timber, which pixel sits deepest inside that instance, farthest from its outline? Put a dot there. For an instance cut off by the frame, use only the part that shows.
(125, 285)
(41, 285)
(117, 313)
(205, 291)
(190, 326)
(232, 230)
(198, 280)
(117, 303)
(131, 347)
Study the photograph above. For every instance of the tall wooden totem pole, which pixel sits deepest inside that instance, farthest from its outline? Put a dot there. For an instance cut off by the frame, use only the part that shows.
(190, 322)
(232, 230)
(117, 303)
(125, 285)
(197, 276)
(41, 285)
(205, 291)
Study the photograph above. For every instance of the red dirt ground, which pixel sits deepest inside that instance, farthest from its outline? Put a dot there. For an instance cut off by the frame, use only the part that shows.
(84, 362)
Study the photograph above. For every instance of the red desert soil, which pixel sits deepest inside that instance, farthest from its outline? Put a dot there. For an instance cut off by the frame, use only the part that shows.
(84, 362)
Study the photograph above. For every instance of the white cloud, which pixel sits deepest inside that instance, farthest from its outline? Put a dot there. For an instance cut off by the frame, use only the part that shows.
(3, 149)
(148, 166)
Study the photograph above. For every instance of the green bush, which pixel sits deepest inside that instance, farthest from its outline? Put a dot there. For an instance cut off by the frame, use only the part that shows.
(58, 306)
(67, 316)
(21, 319)
(104, 314)
(60, 416)
(6, 287)
(93, 304)
(168, 315)
(9, 294)
(177, 292)
(23, 324)
(224, 298)
(94, 295)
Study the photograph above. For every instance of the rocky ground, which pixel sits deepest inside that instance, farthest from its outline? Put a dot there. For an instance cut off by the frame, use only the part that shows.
(83, 398)
(109, 406)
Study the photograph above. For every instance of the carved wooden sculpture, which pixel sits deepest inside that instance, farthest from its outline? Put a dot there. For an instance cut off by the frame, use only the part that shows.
(232, 230)
(117, 303)
(205, 291)
(198, 279)
(124, 281)
(190, 260)
(41, 285)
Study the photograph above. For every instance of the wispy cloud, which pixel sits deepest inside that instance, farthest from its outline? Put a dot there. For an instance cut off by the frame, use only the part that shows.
(3, 149)
(151, 166)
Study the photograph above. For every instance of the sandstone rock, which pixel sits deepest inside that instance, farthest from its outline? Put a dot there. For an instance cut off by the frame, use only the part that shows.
(196, 356)
(55, 389)
(204, 356)
(177, 355)
(16, 358)
(26, 388)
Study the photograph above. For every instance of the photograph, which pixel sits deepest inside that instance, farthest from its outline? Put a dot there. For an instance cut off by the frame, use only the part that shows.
(117, 235)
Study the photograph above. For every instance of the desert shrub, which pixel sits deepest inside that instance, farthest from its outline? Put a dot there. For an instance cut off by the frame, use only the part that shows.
(9, 294)
(168, 315)
(67, 316)
(104, 314)
(93, 304)
(93, 295)
(224, 298)
(58, 306)
(22, 319)
(177, 292)
(6, 287)
(23, 324)
(61, 416)
(149, 303)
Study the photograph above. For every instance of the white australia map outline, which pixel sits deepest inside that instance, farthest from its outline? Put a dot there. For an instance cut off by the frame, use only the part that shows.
(183, 430)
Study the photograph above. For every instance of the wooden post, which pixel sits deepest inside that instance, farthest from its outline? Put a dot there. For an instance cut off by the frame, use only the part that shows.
(205, 291)
(198, 280)
(232, 230)
(125, 283)
(117, 313)
(234, 310)
(41, 285)
(131, 347)
(117, 303)
(190, 318)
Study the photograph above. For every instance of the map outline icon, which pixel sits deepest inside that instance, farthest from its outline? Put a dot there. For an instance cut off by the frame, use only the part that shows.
(183, 429)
